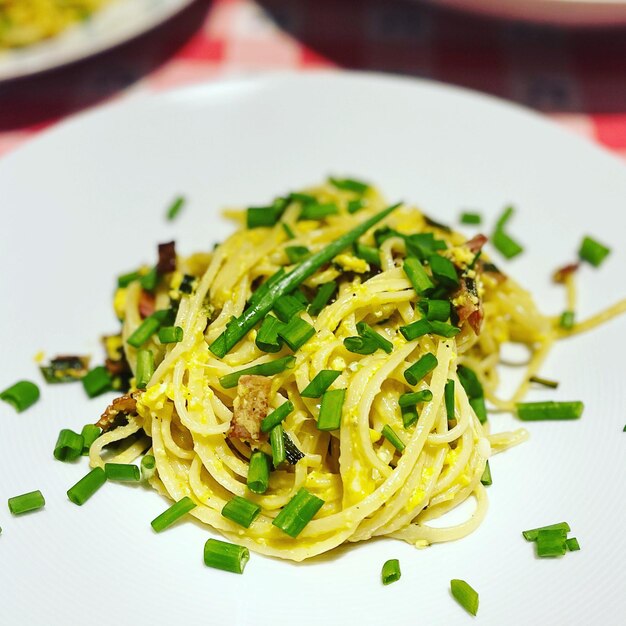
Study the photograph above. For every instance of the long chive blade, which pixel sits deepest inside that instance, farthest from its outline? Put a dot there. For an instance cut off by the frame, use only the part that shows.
(549, 410)
(258, 472)
(173, 514)
(531, 535)
(148, 467)
(262, 369)
(87, 486)
(322, 297)
(241, 511)
(465, 595)
(21, 395)
(390, 572)
(122, 472)
(296, 333)
(278, 445)
(330, 409)
(26, 502)
(174, 209)
(420, 369)
(322, 381)
(392, 437)
(298, 512)
(89, 433)
(593, 251)
(225, 556)
(69, 445)
(97, 381)
(276, 416)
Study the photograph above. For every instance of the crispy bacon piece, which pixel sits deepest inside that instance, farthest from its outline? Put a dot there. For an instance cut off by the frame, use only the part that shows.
(469, 307)
(476, 243)
(167, 258)
(562, 273)
(122, 406)
(251, 406)
(146, 304)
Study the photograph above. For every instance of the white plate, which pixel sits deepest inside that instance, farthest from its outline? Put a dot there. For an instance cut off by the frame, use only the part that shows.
(85, 202)
(114, 24)
(556, 12)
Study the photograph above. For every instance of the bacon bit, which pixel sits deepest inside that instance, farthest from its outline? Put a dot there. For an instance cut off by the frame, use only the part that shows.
(251, 406)
(561, 275)
(122, 406)
(468, 305)
(167, 258)
(476, 243)
(493, 271)
(118, 367)
(146, 304)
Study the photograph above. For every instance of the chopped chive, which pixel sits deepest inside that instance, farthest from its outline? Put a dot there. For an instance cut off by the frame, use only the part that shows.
(391, 436)
(485, 479)
(97, 381)
(69, 445)
(470, 382)
(360, 345)
(126, 279)
(448, 394)
(322, 381)
(478, 404)
(443, 271)
(288, 230)
(531, 535)
(468, 217)
(173, 514)
(329, 417)
(276, 416)
(355, 205)
(465, 595)
(286, 307)
(258, 472)
(349, 184)
(423, 245)
(145, 368)
(26, 502)
(305, 198)
(572, 544)
(298, 512)
(297, 253)
(549, 410)
(267, 338)
(367, 253)
(187, 284)
(257, 217)
(278, 445)
(369, 333)
(89, 433)
(551, 543)
(87, 486)
(296, 332)
(123, 472)
(241, 511)
(150, 279)
(415, 397)
(301, 297)
(409, 415)
(593, 251)
(268, 368)
(228, 557)
(254, 313)
(321, 298)
(424, 327)
(420, 368)
(552, 384)
(436, 310)
(504, 244)
(417, 275)
(318, 211)
(567, 319)
(170, 334)
(147, 328)
(174, 208)
(391, 571)
(21, 395)
(148, 467)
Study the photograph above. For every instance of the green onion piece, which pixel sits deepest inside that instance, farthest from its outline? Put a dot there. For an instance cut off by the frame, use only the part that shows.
(367, 253)
(572, 544)
(409, 415)
(417, 275)
(437, 310)
(288, 230)
(369, 333)
(170, 334)
(126, 279)
(464, 595)
(422, 245)
(261, 216)
(468, 217)
(360, 345)
(267, 338)
(301, 297)
(174, 208)
(253, 314)
(225, 556)
(298, 196)
(391, 436)
(355, 205)
(122, 472)
(325, 292)
(419, 369)
(415, 397)
(567, 320)
(263, 369)
(471, 383)
(485, 479)
(145, 368)
(150, 280)
(241, 511)
(21, 395)
(259, 472)
(552, 384)
(478, 404)
(89, 433)
(423, 327)
(551, 543)
(391, 571)
(593, 252)
(97, 381)
(298, 512)
(173, 514)
(507, 246)
(443, 271)
(148, 467)
(87, 486)
(448, 394)
(278, 445)
(69, 445)
(26, 502)
(297, 253)
(144, 331)
(322, 381)
(531, 535)
(296, 333)
(286, 307)
(349, 184)
(264, 289)
(550, 410)
(318, 211)
(330, 409)
(276, 416)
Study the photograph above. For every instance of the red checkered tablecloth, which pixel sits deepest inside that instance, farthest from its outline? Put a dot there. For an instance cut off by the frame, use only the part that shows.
(576, 77)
